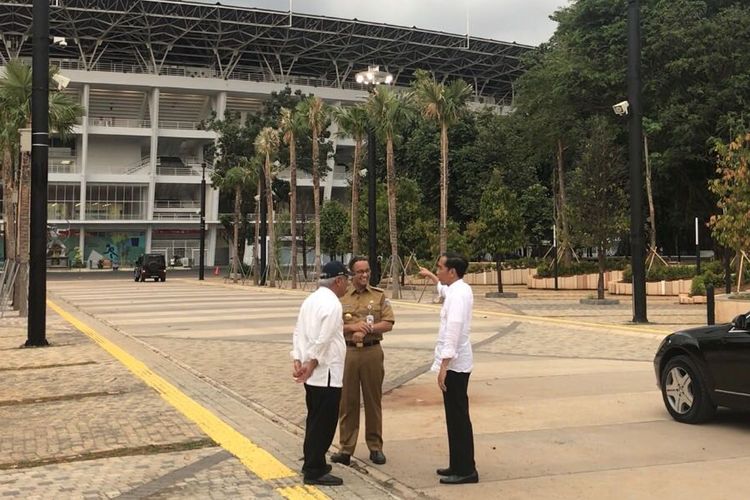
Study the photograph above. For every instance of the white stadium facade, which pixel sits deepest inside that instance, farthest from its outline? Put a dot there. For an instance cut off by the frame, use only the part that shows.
(149, 72)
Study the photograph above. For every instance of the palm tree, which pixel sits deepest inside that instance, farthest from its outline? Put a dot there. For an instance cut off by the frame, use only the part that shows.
(390, 112)
(354, 122)
(237, 178)
(266, 145)
(292, 125)
(443, 104)
(316, 113)
(15, 102)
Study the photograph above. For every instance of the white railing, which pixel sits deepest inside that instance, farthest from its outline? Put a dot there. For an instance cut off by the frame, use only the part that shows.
(62, 166)
(177, 204)
(176, 215)
(179, 125)
(111, 121)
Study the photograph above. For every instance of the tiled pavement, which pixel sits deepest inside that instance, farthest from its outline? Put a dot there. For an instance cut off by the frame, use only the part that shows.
(107, 435)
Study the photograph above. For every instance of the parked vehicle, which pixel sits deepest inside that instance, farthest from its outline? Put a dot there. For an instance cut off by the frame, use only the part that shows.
(150, 265)
(699, 369)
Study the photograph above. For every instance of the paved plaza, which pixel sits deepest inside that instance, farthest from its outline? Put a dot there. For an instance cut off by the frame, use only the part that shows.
(140, 403)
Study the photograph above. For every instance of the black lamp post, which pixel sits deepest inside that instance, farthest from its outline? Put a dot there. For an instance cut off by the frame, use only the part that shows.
(263, 226)
(201, 257)
(37, 321)
(637, 234)
(372, 77)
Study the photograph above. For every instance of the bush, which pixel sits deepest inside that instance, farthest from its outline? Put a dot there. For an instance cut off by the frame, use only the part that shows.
(545, 269)
(662, 273)
(698, 286)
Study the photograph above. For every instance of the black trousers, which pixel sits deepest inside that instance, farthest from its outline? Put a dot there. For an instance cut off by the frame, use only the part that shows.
(322, 417)
(460, 431)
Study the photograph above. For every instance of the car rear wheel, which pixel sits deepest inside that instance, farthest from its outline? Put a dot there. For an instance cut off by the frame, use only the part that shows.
(683, 388)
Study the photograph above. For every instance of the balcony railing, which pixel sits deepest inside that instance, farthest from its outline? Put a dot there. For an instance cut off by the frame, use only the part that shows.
(111, 121)
(177, 204)
(176, 216)
(180, 125)
(62, 166)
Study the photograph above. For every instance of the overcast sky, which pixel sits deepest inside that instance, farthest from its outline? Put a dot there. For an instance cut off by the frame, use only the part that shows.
(522, 21)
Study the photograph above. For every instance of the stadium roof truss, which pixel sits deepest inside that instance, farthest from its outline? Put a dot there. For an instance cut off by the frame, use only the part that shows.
(153, 35)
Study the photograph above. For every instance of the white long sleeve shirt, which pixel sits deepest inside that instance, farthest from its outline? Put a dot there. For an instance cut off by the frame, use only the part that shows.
(455, 326)
(319, 334)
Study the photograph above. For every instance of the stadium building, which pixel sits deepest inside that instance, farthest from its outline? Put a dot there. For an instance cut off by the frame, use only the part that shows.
(149, 72)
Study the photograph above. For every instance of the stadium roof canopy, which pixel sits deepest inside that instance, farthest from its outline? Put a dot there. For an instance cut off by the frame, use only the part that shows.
(154, 35)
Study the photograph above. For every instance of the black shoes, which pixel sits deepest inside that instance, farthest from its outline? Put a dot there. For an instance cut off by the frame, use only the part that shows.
(454, 479)
(377, 457)
(341, 458)
(325, 480)
(444, 472)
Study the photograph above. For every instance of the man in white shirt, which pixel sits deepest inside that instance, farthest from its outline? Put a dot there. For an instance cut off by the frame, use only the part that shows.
(319, 352)
(453, 362)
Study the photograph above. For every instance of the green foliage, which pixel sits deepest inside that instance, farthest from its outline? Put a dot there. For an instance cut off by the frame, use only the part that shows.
(662, 273)
(596, 201)
(731, 228)
(499, 229)
(334, 234)
(545, 268)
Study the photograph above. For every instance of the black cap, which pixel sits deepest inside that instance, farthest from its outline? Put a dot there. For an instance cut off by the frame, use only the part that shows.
(333, 269)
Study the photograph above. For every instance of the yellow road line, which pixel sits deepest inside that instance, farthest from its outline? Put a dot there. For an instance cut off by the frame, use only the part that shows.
(257, 460)
(301, 492)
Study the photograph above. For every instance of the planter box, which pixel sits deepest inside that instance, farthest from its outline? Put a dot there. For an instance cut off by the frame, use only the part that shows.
(663, 288)
(695, 299)
(510, 277)
(579, 282)
(727, 309)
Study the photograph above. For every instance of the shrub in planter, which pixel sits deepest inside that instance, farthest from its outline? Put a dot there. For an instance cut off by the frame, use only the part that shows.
(698, 286)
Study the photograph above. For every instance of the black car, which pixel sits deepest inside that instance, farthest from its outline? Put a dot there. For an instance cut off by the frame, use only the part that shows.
(150, 265)
(702, 368)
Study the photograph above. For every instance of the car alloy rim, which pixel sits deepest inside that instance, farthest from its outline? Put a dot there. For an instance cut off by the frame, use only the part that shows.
(679, 390)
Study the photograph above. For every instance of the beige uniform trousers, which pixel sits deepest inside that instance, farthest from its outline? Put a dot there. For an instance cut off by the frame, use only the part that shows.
(363, 368)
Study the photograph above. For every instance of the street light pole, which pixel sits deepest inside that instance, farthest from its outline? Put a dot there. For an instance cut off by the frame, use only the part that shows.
(263, 226)
(201, 257)
(637, 235)
(37, 292)
(372, 77)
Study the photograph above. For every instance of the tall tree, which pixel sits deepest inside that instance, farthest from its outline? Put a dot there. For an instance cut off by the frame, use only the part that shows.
(333, 222)
(500, 227)
(732, 187)
(238, 179)
(443, 104)
(15, 102)
(267, 144)
(316, 113)
(390, 112)
(292, 126)
(354, 122)
(598, 204)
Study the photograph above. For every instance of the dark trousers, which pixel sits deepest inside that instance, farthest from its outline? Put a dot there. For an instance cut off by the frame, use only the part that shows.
(460, 432)
(322, 416)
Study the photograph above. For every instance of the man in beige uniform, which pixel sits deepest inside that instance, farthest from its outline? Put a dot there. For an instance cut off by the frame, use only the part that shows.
(367, 316)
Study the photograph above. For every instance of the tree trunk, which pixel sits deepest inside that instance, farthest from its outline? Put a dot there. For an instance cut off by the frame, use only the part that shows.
(650, 195)
(391, 184)
(443, 188)
(600, 283)
(9, 214)
(304, 246)
(256, 241)
(21, 292)
(271, 225)
(355, 198)
(564, 233)
(236, 232)
(293, 207)
(499, 266)
(316, 199)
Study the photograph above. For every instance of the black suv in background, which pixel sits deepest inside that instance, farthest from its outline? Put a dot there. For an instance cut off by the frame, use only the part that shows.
(150, 265)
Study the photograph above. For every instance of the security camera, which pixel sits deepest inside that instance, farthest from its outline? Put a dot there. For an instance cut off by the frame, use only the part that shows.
(59, 40)
(62, 81)
(621, 108)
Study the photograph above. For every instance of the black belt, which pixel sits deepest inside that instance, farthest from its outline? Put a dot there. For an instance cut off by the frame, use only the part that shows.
(367, 343)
